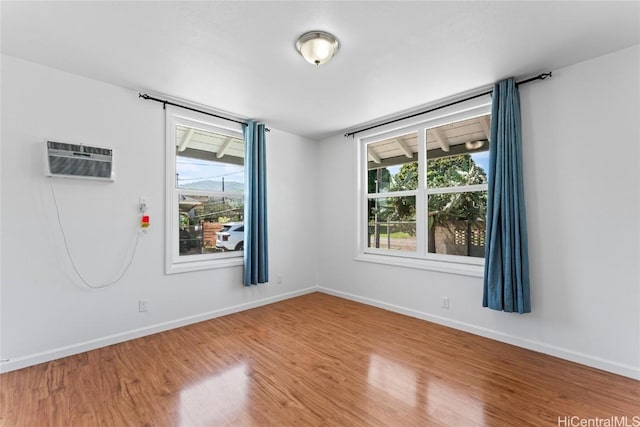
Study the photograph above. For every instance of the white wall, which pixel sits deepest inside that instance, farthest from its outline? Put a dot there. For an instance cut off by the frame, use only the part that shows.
(45, 312)
(581, 137)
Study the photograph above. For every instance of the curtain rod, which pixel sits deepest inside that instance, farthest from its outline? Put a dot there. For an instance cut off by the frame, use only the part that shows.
(165, 102)
(538, 77)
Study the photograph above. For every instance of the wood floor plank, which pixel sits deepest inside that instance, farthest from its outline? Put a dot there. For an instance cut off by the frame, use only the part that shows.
(315, 360)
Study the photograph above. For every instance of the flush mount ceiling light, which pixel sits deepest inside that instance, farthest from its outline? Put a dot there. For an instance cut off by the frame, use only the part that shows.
(473, 145)
(317, 47)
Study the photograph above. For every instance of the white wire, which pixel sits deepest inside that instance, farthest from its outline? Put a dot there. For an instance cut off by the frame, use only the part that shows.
(73, 264)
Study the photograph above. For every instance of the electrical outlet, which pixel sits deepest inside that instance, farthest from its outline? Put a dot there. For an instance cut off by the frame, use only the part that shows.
(143, 204)
(279, 278)
(445, 302)
(143, 305)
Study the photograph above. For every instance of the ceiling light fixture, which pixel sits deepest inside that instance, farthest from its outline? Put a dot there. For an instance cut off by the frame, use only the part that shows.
(474, 145)
(317, 47)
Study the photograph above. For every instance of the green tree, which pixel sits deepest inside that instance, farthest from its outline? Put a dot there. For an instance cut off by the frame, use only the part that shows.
(392, 208)
(404, 208)
(444, 209)
(378, 180)
(451, 208)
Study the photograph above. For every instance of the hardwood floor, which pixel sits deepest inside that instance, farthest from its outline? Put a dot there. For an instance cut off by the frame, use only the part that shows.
(309, 361)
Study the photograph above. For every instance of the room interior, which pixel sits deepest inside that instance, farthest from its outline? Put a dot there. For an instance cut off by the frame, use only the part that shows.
(73, 71)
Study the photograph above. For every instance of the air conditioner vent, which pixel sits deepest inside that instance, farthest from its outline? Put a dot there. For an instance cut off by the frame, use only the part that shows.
(78, 161)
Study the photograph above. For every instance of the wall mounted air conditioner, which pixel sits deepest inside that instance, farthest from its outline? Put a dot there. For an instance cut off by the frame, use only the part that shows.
(78, 161)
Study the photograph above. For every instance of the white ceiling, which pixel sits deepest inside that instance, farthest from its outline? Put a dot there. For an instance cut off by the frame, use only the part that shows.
(239, 56)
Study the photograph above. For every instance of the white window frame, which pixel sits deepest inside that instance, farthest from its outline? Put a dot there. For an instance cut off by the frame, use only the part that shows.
(174, 262)
(421, 258)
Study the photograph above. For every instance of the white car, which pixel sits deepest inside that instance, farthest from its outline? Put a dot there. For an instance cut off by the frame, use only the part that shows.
(231, 237)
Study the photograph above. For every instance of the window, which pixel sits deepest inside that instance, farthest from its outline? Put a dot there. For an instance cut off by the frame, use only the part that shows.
(205, 192)
(424, 192)
(392, 180)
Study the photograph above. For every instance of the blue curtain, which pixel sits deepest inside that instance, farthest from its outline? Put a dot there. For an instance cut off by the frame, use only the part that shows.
(256, 256)
(506, 272)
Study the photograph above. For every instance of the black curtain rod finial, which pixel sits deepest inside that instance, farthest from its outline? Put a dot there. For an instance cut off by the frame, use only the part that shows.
(541, 76)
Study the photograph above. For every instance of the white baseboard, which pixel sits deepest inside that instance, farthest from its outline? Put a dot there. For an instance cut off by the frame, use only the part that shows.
(563, 353)
(57, 353)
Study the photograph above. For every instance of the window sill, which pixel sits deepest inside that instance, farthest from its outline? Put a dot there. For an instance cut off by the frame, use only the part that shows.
(463, 269)
(198, 265)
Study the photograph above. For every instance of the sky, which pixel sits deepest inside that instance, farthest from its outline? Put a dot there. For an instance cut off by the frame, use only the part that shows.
(482, 160)
(191, 170)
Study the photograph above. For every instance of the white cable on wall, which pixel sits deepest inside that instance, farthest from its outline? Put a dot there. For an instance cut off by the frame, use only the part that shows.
(73, 264)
